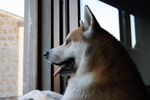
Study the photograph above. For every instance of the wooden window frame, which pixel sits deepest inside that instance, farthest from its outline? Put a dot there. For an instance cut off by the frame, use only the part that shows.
(30, 46)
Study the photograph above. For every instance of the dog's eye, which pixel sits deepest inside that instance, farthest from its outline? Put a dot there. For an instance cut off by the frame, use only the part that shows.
(67, 42)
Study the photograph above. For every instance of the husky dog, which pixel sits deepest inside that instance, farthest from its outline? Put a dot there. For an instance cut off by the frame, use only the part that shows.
(103, 70)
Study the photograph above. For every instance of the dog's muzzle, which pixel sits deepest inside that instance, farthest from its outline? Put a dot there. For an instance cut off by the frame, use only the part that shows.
(66, 66)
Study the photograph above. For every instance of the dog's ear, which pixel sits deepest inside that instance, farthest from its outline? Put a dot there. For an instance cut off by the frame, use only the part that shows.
(90, 22)
(81, 23)
(88, 17)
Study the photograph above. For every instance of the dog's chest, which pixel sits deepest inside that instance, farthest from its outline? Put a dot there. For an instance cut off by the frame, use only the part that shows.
(79, 88)
(81, 81)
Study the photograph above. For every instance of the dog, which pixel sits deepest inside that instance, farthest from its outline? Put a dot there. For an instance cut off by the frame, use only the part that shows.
(103, 69)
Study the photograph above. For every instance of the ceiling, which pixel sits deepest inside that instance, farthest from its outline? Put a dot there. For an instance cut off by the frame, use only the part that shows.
(139, 8)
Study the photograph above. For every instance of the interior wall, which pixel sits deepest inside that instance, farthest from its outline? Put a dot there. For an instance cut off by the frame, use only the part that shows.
(141, 54)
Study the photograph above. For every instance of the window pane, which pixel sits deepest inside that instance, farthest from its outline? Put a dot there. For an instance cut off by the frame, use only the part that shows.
(106, 15)
(133, 35)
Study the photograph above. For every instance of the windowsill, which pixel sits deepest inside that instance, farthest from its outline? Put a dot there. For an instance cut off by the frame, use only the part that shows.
(9, 98)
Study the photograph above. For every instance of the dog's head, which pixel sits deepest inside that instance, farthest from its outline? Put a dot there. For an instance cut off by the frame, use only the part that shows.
(75, 51)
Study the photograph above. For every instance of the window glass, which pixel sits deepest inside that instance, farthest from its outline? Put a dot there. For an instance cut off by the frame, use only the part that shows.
(133, 35)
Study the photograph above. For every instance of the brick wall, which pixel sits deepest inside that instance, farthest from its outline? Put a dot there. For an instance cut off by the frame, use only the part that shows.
(9, 46)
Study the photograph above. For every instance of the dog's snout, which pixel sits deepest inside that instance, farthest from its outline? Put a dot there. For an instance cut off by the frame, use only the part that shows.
(45, 53)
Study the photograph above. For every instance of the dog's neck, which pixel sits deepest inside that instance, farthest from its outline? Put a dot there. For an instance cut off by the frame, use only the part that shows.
(103, 58)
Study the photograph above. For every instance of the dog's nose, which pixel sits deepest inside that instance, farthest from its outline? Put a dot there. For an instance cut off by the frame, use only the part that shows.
(45, 53)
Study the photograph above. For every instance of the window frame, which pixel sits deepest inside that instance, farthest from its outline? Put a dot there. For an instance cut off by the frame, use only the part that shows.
(30, 41)
(47, 23)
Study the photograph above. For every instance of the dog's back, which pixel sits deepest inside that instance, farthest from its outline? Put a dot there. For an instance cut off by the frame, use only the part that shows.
(117, 74)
